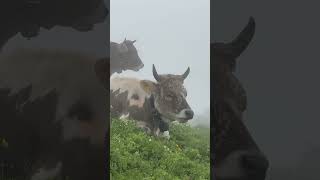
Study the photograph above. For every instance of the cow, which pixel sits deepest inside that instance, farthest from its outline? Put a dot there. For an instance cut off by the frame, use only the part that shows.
(28, 17)
(54, 113)
(151, 104)
(236, 156)
(124, 56)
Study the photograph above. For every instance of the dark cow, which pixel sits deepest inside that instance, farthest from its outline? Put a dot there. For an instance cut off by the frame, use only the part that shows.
(124, 56)
(236, 155)
(28, 16)
(151, 104)
(54, 113)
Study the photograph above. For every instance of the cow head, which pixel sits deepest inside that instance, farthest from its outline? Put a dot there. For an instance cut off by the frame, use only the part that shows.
(169, 96)
(124, 56)
(236, 155)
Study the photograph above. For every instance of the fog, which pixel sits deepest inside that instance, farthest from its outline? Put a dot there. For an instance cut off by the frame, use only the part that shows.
(172, 35)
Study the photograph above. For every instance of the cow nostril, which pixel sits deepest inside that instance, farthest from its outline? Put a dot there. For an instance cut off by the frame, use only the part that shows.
(255, 164)
(189, 113)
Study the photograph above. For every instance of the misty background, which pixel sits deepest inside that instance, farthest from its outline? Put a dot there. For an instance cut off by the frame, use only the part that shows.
(172, 35)
(280, 71)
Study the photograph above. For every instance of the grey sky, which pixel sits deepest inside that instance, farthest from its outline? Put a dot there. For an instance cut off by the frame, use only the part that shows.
(172, 35)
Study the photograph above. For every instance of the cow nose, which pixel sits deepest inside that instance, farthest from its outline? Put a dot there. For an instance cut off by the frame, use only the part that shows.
(255, 164)
(189, 113)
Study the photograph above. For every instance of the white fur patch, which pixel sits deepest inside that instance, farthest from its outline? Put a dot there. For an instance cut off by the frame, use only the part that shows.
(132, 86)
(45, 174)
(124, 116)
(182, 114)
(166, 134)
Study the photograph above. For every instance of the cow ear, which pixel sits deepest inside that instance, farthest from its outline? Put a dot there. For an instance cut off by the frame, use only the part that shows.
(148, 86)
(102, 70)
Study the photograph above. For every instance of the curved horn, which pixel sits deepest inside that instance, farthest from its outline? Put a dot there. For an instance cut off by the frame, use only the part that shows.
(134, 41)
(185, 74)
(155, 74)
(241, 42)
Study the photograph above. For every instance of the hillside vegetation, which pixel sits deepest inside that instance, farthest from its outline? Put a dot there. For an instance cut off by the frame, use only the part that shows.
(138, 156)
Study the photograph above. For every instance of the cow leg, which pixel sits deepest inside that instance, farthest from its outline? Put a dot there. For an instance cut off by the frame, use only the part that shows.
(164, 129)
(47, 173)
(48, 164)
(143, 126)
(83, 161)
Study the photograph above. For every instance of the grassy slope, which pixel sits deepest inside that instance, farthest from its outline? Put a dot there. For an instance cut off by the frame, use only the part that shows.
(137, 156)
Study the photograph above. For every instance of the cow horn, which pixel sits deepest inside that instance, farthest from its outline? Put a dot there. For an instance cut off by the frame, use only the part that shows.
(134, 41)
(155, 74)
(241, 42)
(185, 74)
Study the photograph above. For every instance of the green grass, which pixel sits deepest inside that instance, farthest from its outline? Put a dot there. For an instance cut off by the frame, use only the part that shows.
(138, 156)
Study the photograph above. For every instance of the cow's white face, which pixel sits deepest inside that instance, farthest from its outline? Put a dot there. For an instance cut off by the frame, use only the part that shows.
(170, 96)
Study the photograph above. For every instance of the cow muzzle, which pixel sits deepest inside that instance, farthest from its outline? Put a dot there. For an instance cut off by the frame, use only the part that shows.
(243, 165)
(185, 115)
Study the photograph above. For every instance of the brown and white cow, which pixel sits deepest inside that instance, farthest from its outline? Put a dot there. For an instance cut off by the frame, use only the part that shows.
(236, 155)
(54, 113)
(124, 56)
(151, 104)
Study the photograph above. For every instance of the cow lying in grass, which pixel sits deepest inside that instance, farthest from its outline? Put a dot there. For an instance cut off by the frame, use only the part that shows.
(152, 104)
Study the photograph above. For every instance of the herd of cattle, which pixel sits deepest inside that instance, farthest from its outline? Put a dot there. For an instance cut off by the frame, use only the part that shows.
(54, 110)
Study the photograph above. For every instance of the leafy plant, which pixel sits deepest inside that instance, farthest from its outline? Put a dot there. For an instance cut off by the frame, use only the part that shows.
(136, 155)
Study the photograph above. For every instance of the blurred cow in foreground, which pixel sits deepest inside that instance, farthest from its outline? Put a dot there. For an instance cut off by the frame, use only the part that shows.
(236, 155)
(28, 16)
(151, 104)
(53, 114)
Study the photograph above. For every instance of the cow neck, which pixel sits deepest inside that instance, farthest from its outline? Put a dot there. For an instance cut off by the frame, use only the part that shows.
(155, 114)
(158, 120)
